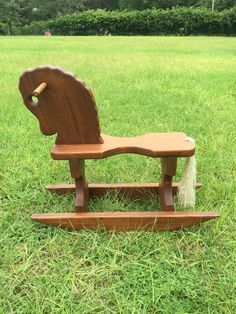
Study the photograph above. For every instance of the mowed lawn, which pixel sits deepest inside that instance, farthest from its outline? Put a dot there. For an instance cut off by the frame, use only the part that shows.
(141, 84)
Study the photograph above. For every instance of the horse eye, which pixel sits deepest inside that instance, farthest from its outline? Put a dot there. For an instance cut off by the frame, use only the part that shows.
(34, 100)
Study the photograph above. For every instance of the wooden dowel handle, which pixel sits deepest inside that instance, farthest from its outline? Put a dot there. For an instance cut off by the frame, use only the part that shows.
(39, 89)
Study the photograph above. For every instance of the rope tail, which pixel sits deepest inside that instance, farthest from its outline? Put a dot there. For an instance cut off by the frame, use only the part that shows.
(186, 190)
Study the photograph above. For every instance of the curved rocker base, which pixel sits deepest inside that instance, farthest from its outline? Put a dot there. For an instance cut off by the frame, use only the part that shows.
(125, 221)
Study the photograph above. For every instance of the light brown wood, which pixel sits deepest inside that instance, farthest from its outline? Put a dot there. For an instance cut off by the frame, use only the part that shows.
(125, 221)
(133, 191)
(151, 144)
(39, 89)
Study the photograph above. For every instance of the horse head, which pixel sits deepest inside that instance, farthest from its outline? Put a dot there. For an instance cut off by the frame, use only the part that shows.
(65, 105)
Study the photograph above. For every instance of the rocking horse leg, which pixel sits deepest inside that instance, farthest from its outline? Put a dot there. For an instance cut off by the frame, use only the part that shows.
(77, 171)
(168, 165)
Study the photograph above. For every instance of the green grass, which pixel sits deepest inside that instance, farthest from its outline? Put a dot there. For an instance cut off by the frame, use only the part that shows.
(141, 84)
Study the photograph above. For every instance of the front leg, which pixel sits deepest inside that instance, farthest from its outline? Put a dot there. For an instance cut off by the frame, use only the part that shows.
(77, 170)
(168, 165)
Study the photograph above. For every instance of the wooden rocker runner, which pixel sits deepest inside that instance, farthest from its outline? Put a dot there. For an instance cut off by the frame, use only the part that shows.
(65, 106)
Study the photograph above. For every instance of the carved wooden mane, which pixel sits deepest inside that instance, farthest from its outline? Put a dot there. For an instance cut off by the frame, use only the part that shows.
(66, 106)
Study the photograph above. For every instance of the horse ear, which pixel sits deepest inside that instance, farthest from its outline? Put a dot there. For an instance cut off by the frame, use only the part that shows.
(66, 106)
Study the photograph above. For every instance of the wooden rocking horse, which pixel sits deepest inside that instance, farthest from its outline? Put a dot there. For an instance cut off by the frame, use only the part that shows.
(63, 104)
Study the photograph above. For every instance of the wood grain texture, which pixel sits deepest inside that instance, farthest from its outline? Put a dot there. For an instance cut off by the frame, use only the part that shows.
(125, 221)
(168, 171)
(77, 170)
(133, 191)
(151, 144)
(66, 106)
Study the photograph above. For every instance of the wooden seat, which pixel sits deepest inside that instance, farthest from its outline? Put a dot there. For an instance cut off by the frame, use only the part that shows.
(65, 106)
(151, 144)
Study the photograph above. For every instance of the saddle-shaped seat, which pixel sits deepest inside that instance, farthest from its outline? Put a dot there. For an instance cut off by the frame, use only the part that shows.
(65, 106)
(151, 144)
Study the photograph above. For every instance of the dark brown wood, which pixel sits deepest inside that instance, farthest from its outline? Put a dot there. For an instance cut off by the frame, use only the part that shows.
(168, 166)
(125, 221)
(66, 107)
(77, 170)
(151, 144)
(133, 191)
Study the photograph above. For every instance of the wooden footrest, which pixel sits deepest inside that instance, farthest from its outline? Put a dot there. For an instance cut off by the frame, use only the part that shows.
(125, 221)
(131, 190)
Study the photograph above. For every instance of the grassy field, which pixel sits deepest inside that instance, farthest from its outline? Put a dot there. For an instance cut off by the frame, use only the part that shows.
(141, 85)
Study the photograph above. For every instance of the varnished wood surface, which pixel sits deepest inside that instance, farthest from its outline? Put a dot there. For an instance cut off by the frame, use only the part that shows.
(125, 221)
(131, 190)
(151, 144)
(77, 170)
(65, 106)
(168, 171)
